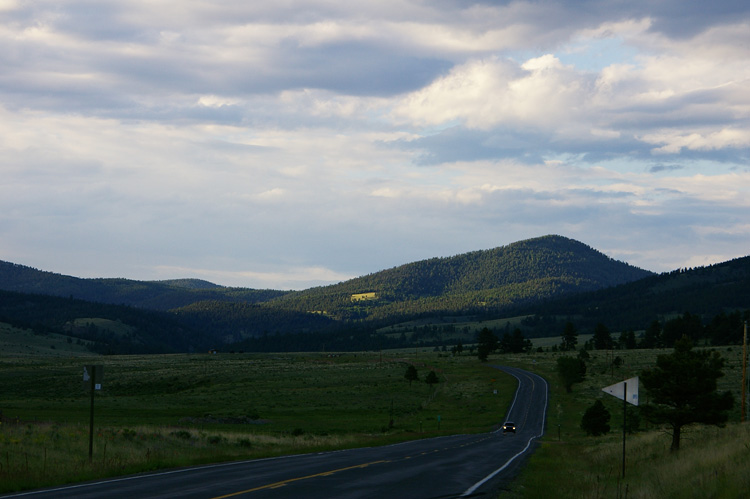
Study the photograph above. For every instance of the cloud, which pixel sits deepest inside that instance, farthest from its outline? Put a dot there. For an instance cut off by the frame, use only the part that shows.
(285, 279)
(306, 142)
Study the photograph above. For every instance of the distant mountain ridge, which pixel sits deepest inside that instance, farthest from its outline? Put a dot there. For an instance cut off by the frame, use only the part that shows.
(546, 280)
(156, 295)
(545, 258)
(528, 270)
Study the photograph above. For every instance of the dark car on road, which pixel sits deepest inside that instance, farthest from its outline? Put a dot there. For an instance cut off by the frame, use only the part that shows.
(509, 427)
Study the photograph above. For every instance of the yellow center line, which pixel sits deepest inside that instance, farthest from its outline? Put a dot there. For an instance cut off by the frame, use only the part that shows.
(284, 482)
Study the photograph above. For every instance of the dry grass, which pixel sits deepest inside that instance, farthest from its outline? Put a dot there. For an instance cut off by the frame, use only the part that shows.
(711, 463)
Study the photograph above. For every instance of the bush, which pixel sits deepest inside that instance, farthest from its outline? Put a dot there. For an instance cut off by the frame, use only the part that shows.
(571, 370)
(183, 434)
(595, 420)
(244, 442)
(128, 434)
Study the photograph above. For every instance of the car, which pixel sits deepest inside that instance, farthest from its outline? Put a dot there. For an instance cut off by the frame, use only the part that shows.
(509, 427)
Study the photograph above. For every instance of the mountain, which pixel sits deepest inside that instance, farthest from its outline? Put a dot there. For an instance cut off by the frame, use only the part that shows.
(479, 281)
(155, 295)
(703, 291)
(547, 280)
(103, 328)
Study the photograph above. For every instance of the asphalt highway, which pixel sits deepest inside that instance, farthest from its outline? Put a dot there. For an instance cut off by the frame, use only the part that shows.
(443, 467)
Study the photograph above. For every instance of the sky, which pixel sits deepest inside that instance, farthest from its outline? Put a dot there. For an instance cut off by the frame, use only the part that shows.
(292, 144)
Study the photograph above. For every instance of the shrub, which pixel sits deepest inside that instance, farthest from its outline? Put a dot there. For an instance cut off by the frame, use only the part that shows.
(183, 434)
(128, 434)
(244, 442)
(595, 420)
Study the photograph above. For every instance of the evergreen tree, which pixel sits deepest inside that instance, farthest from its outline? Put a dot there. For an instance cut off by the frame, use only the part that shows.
(486, 343)
(595, 420)
(687, 325)
(515, 343)
(569, 337)
(626, 341)
(652, 336)
(432, 378)
(411, 374)
(682, 387)
(571, 370)
(602, 338)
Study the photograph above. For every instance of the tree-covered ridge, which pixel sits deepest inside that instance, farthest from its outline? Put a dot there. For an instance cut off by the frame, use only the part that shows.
(231, 322)
(527, 270)
(156, 295)
(204, 315)
(480, 282)
(704, 291)
(143, 331)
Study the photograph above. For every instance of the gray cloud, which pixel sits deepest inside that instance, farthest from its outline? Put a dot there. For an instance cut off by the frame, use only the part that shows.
(283, 145)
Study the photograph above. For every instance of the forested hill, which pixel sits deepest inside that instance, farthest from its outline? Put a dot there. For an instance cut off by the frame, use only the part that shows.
(155, 295)
(480, 283)
(704, 291)
(525, 271)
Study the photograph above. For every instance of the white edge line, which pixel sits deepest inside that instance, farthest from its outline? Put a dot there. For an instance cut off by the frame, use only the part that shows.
(474, 487)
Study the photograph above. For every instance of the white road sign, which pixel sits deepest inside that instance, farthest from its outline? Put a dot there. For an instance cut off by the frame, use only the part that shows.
(618, 390)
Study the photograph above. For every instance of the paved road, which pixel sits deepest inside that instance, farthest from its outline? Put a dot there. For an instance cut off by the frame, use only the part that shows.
(443, 467)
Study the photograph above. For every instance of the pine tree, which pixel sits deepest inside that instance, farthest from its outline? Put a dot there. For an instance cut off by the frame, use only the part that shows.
(411, 374)
(569, 337)
(595, 420)
(486, 344)
(571, 370)
(682, 387)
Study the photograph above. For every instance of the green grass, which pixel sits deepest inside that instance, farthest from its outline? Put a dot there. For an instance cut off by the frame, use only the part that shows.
(15, 341)
(165, 411)
(173, 410)
(569, 464)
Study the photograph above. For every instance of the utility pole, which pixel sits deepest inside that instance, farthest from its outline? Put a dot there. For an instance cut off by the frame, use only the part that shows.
(744, 373)
(624, 423)
(92, 379)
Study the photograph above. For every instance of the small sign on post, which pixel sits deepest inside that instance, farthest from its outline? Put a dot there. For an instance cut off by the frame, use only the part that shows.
(92, 381)
(92, 374)
(627, 391)
(624, 390)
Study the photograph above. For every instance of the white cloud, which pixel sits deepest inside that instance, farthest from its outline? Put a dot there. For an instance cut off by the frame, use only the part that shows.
(313, 141)
(290, 278)
(674, 142)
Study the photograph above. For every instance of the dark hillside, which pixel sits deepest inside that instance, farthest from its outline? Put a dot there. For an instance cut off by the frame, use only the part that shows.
(522, 272)
(231, 322)
(189, 284)
(156, 295)
(480, 284)
(704, 291)
(135, 331)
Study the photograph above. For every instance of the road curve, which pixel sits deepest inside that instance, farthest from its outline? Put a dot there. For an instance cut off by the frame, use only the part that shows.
(435, 468)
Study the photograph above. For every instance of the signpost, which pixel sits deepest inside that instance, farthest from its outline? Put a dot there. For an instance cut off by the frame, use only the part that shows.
(92, 380)
(744, 374)
(627, 391)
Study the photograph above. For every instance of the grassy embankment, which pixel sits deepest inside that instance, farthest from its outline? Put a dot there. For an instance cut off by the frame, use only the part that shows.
(167, 411)
(712, 462)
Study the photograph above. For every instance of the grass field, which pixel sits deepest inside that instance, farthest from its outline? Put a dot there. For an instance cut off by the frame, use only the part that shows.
(166, 411)
(712, 462)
